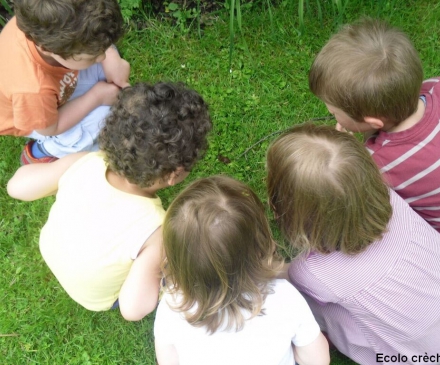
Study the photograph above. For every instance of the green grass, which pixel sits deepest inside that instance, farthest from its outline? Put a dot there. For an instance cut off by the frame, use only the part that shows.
(265, 90)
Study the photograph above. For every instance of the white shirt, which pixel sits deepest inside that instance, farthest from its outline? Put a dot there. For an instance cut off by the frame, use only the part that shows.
(264, 340)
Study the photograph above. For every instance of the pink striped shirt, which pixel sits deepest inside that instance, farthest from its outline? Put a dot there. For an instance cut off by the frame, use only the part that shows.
(410, 160)
(384, 300)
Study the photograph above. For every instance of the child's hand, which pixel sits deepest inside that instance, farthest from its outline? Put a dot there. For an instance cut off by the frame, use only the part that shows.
(105, 92)
(116, 69)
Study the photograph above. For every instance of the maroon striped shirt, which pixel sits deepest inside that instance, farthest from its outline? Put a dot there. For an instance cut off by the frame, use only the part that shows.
(384, 300)
(410, 160)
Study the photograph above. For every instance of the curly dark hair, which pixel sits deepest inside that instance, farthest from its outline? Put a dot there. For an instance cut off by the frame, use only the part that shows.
(154, 129)
(69, 27)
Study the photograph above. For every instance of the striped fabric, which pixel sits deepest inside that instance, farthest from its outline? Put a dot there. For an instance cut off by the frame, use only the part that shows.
(410, 160)
(384, 300)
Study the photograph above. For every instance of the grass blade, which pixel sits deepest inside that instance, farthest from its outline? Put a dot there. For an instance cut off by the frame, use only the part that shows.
(7, 7)
(231, 32)
(318, 4)
(238, 7)
(269, 10)
(343, 10)
(338, 5)
(301, 15)
(199, 15)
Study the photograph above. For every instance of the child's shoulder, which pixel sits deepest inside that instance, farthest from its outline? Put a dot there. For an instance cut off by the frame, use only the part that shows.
(86, 161)
(283, 291)
(430, 83)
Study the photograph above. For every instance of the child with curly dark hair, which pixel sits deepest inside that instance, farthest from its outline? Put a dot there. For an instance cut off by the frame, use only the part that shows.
(103, 236)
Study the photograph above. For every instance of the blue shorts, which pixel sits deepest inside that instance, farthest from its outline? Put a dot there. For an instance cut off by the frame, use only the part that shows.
(83, 136)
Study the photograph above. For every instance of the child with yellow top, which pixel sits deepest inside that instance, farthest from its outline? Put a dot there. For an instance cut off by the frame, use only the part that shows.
(103, 236)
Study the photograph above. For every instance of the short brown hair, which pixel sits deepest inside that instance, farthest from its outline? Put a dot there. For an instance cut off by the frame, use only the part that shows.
(369, 69)
(70, 27)
(152, 130)
(326, 191)
(219, 251)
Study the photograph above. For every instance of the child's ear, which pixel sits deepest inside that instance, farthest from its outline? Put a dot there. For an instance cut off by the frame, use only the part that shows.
(375, 123)
(173, 178)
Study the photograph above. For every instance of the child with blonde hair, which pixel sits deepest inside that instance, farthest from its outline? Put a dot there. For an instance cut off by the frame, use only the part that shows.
(223, 303)
(370, 77)
(103, 237)
(368, 265)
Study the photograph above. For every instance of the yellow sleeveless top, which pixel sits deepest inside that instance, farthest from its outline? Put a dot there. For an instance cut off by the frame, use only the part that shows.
(94, 232)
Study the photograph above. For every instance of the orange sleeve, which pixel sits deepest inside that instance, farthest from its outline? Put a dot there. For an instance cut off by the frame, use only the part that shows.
(34, 111)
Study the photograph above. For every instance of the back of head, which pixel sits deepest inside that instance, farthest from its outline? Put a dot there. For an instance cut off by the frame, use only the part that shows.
(152, 130)
(369, 69)
(219, 252)
(70, 27)
(326, 191)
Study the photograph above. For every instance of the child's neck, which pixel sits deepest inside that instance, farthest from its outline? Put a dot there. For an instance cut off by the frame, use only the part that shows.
(122, 184)
(48, 59)
(411, 121)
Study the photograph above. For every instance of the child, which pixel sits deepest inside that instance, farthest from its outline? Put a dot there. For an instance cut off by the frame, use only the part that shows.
(223, 303)
(370, 266)
(102, 239)
(42, 94)
(370, 77)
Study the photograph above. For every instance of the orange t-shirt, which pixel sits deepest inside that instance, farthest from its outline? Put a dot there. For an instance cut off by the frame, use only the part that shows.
(31, 90)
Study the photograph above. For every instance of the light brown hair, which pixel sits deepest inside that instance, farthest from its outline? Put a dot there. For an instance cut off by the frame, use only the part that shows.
(220, 253)
(70, 27)
(326, 191)
(369, 69)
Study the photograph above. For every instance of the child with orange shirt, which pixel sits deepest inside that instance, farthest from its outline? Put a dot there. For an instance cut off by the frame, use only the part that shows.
(59, 74)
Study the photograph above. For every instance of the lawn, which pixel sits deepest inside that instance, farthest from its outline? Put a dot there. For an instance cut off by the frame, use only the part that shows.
(265, 90)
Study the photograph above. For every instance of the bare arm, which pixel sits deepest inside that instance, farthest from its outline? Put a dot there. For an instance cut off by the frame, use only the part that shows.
(166, 354)
(72, 112)
(116, 69)
(315, 353)
(140, 291)
(31, 182)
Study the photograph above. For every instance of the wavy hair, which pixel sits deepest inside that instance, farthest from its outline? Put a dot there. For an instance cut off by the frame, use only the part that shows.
(70, 27)
(220, 253)
(154, 129)
(326, 191)
(369, 69)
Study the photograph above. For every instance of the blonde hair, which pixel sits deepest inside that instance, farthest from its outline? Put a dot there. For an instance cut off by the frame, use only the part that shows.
(369, 69)
(326, 191)
(220, 253)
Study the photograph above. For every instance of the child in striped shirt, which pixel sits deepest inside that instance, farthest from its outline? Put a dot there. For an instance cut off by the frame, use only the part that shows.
(368, 265)
(370, 77)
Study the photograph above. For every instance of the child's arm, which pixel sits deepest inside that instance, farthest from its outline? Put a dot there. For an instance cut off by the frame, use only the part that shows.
(166, 354)
(315, 353)
(116, 69)
(140, 292)
(72, 112)
(31, 182)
